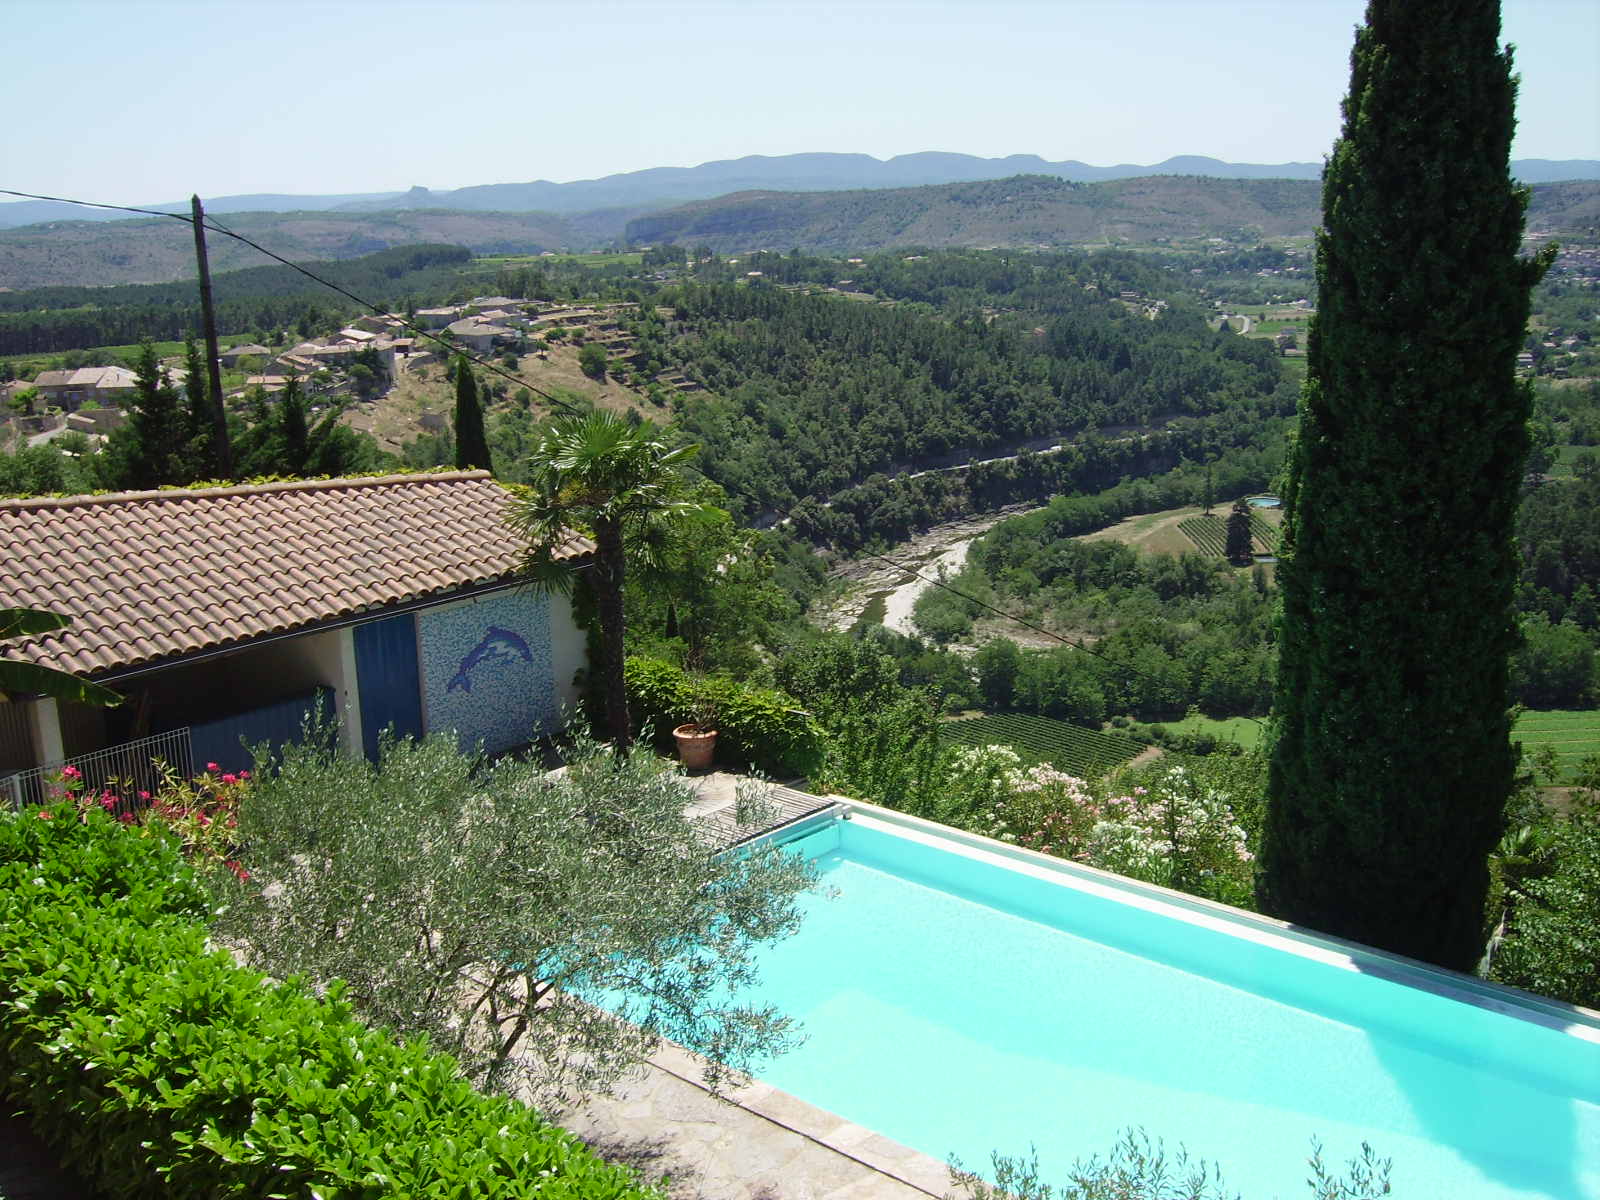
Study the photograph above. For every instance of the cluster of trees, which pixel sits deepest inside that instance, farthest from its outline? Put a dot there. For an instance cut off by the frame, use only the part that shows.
(167, 440)
(1558, 591)
(1167, 633)
(810, 394)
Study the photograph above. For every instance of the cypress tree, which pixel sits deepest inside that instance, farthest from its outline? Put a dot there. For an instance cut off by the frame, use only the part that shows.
(197, 393)
(293, 428)
(1240, 537)
(1393, 761)
(472, 448)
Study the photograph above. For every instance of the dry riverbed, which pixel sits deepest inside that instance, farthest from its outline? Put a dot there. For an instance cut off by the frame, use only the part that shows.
(884, 593)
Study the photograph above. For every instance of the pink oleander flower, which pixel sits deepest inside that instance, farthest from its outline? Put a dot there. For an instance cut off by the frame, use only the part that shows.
(144, 795)
(244, 775)
(46, 815)
(230, 778)
(71, 772)
(212, 767)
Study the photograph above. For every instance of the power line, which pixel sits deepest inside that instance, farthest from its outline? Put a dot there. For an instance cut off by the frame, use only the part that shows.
(148, 212)
(211, 223)
(379, 310)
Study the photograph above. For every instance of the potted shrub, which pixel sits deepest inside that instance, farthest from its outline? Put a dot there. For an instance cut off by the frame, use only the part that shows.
(697, 737)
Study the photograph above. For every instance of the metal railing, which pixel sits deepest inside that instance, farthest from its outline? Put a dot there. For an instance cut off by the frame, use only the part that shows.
(125, 770)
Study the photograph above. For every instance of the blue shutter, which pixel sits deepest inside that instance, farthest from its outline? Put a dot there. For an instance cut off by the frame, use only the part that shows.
(386, 673)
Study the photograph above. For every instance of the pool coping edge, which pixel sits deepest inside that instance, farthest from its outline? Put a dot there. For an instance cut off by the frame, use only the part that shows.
(1569, 1019)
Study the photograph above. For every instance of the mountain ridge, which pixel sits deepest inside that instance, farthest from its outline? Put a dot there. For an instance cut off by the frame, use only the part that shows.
(655, 187)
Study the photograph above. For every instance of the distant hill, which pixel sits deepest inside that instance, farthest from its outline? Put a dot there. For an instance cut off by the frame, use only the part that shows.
(658, 186)
(156, 251)
(1565, 208)
(1026, 210)
(1035, 210)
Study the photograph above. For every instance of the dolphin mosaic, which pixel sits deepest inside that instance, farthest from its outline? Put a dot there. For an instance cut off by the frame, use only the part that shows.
(498, 645)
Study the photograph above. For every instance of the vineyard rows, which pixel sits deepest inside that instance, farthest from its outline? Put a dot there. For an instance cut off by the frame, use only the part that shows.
(1210, 534)
(1086, 753)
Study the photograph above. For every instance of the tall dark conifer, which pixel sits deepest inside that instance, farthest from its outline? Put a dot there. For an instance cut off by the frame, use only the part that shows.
(153, 448)
(472, 447)
(197, 395)
(1393, 758)
(293, 426)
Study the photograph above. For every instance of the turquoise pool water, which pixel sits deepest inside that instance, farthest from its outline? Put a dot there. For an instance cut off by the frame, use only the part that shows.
(960, 1005)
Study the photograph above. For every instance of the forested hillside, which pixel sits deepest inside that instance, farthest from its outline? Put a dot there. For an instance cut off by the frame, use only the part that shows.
(1037, 211)
(807, 395)
(44, 320)
(1026, 210)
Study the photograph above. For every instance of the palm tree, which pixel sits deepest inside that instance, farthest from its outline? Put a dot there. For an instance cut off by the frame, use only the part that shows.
(619, 483)
(17, 675)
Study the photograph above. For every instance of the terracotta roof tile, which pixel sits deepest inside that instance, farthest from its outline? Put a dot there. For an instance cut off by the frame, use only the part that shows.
(147, 576)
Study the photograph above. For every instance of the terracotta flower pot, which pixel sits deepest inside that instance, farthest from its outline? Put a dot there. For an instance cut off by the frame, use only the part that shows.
(695, 746)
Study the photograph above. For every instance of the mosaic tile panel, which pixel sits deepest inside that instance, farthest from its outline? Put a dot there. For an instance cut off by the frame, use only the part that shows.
(486, 669)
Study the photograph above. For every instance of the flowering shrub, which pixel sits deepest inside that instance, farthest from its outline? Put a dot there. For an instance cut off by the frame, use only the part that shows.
(202, 813)
(1179, 832)
(978, 788)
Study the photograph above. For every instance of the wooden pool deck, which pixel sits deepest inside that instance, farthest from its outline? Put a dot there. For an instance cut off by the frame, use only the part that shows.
(769, 806)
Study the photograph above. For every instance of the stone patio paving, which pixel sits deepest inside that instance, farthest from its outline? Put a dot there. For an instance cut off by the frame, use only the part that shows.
(754, 1142)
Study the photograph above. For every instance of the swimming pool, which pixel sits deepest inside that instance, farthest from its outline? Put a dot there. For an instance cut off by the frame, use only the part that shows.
(960, 996)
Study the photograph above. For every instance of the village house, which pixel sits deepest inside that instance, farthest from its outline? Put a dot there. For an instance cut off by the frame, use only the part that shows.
(230, 357)
(224, 616)
(479, 336)
(438, 318)
(483, 305)
(71, 389)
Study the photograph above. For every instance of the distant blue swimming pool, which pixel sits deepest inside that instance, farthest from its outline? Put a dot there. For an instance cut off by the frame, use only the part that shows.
(962, 999)
(1265, 502)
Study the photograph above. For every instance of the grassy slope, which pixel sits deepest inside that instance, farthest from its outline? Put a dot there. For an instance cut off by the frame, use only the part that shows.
(1574, 734)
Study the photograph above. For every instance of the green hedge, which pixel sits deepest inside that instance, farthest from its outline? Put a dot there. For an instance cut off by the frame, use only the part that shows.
(159, 1068)
(756, 727)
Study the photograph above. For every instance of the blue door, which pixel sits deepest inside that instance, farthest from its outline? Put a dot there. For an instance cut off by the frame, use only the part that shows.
(386, 673)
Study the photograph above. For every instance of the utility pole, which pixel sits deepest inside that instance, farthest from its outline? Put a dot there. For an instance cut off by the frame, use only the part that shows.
(221, 451)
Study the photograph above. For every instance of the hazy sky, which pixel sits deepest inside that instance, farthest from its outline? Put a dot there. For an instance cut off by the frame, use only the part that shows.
(134, 102)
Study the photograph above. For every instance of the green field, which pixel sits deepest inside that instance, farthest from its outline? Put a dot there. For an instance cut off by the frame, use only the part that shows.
(627, 258)
(1573, 733)
(1246, 731)
(128, 355)
(1085, 753)
(1565, 456)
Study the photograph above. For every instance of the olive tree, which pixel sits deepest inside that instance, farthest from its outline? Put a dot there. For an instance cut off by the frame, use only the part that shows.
(490, 907)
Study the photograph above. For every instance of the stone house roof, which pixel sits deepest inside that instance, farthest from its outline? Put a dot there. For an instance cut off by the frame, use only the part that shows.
(152, 576)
